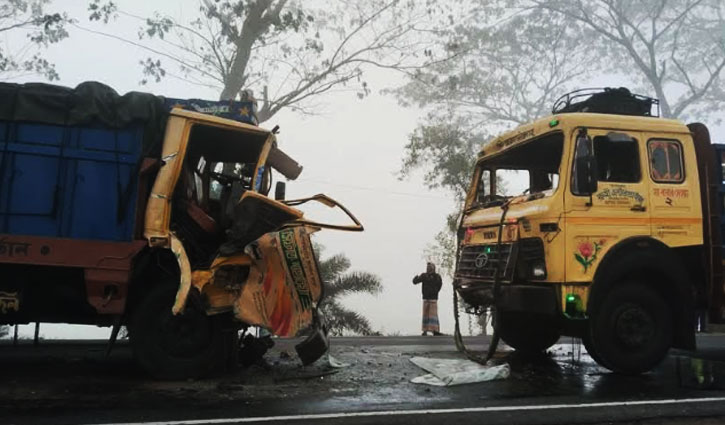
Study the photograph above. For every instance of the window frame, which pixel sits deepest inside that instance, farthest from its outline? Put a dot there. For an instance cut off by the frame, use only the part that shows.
(481, 160)
(638, 147)
(682, 161)
(479, 183)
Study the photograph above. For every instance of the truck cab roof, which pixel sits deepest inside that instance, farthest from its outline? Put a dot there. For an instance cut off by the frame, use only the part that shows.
(550, 123)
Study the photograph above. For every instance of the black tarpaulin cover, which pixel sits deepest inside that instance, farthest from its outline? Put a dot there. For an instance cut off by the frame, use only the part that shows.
(89, 104)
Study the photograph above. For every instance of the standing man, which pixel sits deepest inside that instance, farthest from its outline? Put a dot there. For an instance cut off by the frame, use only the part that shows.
(431, 286)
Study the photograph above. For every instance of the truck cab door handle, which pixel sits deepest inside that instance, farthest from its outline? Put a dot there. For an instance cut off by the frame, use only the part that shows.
(639, 208)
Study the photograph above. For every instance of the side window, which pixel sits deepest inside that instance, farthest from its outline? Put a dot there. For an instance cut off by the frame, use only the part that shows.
(617, 159)
(666, 163)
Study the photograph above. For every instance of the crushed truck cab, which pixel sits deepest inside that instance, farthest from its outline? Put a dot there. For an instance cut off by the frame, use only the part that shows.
(602, 225)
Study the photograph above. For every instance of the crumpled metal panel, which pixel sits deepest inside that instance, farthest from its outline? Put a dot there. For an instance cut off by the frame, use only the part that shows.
(284, 285)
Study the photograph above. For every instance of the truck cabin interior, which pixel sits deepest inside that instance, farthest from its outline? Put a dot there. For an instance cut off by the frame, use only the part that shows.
(219, 167)
(529, 169)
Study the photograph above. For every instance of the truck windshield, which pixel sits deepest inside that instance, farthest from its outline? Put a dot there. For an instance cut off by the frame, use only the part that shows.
(531, 169)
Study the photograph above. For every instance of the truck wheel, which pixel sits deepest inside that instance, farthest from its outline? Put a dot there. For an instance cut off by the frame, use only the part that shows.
(528, 333)
(632, 329)
(188, 345)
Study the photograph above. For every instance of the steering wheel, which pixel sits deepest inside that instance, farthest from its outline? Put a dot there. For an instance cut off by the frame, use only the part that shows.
(224, 179)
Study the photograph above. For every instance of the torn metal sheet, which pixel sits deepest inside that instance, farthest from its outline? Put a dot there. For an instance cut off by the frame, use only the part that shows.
(283, 286)
(449, 372)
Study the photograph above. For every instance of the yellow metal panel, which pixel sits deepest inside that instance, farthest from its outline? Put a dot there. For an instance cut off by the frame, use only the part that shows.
(676, 208)
(185, 279)
(258, 177)
(173, 152)
(525, 132)
(213, 120)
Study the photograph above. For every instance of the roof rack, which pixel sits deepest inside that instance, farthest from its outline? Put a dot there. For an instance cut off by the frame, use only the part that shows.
(607, 100)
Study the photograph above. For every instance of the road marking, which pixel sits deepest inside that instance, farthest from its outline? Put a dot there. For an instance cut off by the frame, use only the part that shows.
(343, 415)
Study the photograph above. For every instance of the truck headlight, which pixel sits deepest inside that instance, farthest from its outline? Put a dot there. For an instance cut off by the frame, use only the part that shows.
(538, 270)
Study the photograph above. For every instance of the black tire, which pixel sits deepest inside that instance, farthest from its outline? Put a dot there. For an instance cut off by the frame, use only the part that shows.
(530, 334)
(631, 330)
(587, 341)
(189, 345)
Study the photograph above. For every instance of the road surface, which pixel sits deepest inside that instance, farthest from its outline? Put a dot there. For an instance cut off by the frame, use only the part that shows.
(74, 383)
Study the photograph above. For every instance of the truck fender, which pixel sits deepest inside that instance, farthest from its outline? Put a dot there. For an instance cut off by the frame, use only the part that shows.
(650, 260)
(184, 274)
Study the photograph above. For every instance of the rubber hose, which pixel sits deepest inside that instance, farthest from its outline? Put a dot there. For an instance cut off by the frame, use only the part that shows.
(493, 346)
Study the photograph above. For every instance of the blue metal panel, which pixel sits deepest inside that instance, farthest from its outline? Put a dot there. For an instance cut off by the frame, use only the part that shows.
(93, 207)
(33, 192)
(40, 134)
(101, 184)
(31, 170)
(73, 182)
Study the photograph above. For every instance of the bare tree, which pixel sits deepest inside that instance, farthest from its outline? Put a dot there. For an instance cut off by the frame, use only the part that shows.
(502, 69)
(677, 47)
(289, 51)
(27, 27)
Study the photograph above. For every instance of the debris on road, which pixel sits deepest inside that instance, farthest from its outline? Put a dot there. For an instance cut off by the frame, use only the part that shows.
(449, 372)
(335, 363)
(306, 375)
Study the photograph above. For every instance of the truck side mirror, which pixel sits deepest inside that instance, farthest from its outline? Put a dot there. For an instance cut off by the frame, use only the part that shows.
(585, 172)
(280, 191)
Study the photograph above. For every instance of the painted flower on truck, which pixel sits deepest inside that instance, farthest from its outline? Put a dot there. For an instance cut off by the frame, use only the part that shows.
(587, 252)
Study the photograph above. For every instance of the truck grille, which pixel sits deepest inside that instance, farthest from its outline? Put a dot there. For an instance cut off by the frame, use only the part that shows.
(531, 249)
(479, 262)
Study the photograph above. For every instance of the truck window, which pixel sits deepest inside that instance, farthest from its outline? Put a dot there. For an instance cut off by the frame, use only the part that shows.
(666, 163)
(617, 160)
(513, 182)
(531, 168)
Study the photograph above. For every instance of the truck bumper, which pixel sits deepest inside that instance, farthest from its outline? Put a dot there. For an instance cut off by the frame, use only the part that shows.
(528, 298)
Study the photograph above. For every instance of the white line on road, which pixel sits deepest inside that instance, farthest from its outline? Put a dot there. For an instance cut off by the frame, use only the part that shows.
(343, 415)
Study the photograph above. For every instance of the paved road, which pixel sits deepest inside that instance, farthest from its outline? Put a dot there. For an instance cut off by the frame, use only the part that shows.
(73, 383)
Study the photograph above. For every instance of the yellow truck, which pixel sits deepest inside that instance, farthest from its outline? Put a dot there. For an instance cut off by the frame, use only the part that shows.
(602, 222)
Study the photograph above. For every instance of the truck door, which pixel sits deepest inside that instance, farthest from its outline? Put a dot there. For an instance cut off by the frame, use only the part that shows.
(676, 211)
(617, 210)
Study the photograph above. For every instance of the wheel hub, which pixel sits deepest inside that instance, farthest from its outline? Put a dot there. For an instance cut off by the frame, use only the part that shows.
(634, 327)
(184, 335)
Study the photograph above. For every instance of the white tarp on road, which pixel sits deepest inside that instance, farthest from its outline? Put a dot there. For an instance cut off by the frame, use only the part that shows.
(448, 372)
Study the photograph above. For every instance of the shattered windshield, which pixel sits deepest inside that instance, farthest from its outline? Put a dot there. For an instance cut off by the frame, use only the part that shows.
(529, 169)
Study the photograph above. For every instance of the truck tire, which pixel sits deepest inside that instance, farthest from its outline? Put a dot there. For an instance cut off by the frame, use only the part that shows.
(188, 345)
(587, 341)
(529, 334)
(631, 330)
